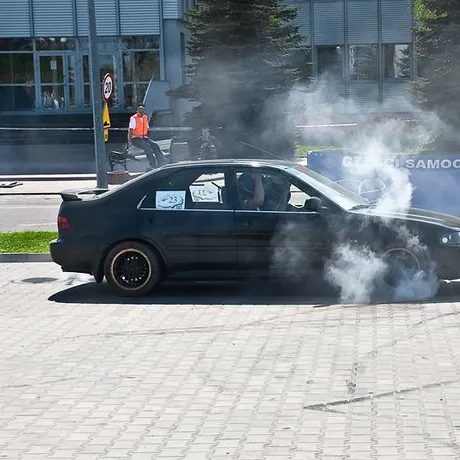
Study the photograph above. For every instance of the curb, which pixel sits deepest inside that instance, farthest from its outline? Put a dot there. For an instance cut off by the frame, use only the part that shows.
(25, 257)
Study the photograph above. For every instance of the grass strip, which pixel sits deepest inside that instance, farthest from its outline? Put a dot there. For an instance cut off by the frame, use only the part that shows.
(26, 242)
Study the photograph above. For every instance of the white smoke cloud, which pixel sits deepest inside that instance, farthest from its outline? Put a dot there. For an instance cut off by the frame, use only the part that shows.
(354, 270)
(358, 271)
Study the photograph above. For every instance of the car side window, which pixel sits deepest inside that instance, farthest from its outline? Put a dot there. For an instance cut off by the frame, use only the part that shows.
(189, 190)
(208, 192)
(296, 199)
(268, 192)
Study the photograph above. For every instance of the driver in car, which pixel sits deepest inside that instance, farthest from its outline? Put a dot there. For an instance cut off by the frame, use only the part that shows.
(251, 189)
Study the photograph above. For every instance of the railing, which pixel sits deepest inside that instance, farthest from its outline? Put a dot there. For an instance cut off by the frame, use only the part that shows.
(166, 128)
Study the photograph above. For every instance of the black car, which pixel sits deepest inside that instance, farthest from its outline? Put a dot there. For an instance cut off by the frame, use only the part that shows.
(230, 219)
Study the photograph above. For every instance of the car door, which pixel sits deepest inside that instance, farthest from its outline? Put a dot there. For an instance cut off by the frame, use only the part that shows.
(281, 237)
(188, 216)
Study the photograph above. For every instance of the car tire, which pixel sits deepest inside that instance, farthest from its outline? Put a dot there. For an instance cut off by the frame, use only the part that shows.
(133, 269)
(409, 275)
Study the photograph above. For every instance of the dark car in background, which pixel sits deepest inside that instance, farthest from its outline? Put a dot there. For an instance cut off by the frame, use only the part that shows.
(192, 221)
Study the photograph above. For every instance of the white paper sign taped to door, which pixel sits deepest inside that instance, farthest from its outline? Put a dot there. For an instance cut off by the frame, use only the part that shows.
(170, 199)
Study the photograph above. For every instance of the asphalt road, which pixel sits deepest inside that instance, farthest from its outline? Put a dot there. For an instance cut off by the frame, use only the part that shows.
(20, 213)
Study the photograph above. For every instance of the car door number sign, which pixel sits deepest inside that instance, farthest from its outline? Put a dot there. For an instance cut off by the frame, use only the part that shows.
(107, 86)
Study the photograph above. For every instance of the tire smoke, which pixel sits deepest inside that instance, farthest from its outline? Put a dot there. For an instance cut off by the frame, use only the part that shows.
(359, 271)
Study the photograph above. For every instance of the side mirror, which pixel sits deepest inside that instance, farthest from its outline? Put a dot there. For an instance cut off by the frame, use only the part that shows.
(313, 204)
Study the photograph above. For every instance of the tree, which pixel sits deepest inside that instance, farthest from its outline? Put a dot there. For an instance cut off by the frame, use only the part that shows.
(242, 54)
(438, 52)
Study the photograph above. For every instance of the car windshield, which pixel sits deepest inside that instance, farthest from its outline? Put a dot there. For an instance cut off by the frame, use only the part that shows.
(341, 196)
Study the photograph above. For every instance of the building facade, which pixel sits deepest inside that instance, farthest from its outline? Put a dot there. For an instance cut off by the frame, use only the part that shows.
(361, 51)
(44, 54)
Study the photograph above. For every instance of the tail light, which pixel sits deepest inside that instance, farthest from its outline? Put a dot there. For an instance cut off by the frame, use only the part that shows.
(63, 223)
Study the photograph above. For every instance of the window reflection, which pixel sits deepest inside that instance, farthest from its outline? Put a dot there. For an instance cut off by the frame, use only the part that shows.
(16, 68)
(52, 69)
(330, 61)
(398, 60)
(59, 43)
(302, 61)
(17, 98)
(108, 64)
(63, 70)
(140, 43)
(134, 94)
(16, 44)
(53, 97)
(141, 66)
(363, 62)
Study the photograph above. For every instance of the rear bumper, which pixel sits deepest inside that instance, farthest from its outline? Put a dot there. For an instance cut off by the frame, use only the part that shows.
(75, 256)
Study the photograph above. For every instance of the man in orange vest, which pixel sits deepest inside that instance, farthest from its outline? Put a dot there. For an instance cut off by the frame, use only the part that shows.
(138, 135)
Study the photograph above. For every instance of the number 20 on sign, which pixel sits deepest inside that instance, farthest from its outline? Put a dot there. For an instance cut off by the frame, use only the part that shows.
(107, 90)
(107, 87)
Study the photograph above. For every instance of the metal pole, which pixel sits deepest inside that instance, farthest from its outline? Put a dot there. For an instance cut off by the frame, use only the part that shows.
(96, 96)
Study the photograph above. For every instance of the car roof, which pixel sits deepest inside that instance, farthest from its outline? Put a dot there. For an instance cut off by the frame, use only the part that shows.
(232, 162)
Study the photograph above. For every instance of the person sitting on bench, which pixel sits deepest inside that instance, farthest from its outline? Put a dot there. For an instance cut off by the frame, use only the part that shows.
(138, 135)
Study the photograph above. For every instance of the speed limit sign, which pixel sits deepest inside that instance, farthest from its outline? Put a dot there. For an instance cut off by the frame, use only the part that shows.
(107, 86)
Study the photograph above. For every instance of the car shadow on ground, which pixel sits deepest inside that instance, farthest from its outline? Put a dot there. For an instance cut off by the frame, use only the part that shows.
(197, 293)
(229, 293)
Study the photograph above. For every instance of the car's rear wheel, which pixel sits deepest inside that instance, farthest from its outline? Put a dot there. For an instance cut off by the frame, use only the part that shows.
(408, 275)
(132, 269)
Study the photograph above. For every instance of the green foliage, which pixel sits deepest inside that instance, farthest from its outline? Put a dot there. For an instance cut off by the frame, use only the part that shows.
(438, 52)
(243, 57)
(26, 242)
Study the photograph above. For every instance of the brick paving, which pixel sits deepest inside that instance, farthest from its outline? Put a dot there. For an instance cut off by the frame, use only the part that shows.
(197, 375)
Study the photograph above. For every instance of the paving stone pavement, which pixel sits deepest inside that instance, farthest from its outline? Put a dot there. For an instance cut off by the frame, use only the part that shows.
(200, 374)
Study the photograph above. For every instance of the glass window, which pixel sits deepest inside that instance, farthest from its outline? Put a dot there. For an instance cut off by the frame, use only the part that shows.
(269, 192)
(108, 64)
(190, 190)
(141, 66)
(86, 69)
(208, 191)
(330, 61)
(16, 68)
(53, 97)
(183, 54)
(363, 62)
(302, 60)
(59, 43)
(16, 44)
(105, 45)
(140, 43)
(398, 60)
(17, 98)
(52, 69)
(134, 94)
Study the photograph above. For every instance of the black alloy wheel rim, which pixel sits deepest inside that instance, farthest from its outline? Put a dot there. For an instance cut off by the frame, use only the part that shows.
(131, 269)
(402, 266)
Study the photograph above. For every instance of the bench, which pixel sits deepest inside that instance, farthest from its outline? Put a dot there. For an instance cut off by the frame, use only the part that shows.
(134, 153)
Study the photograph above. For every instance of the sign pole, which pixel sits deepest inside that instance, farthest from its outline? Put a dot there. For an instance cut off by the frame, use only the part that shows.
(100, 153)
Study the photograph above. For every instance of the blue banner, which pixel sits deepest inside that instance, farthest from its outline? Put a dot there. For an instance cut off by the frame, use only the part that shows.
(435, 178)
